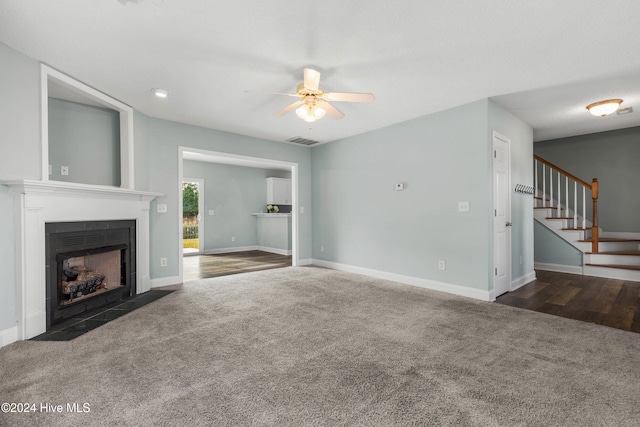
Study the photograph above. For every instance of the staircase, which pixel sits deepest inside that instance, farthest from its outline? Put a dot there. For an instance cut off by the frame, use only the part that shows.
(563, 203)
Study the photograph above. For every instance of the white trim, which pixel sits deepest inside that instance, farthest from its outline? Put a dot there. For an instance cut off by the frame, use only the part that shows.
(126, 121)
(8, 336)
(230, 250)
(464, 291)
(165, 281)
(274, 250)
(523, 280)
(558, 268)
(306, 261)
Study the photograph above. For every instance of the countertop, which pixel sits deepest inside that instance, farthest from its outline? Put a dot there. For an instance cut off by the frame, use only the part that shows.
(274, 215)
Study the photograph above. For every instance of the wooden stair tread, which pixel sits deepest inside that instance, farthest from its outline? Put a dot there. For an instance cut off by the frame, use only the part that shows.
(611, 239)
(621, 267)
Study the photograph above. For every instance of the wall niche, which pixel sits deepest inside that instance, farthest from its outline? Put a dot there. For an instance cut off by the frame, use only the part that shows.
(87, 135)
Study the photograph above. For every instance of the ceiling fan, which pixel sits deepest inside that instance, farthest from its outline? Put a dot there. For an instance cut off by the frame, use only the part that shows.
(314, 103)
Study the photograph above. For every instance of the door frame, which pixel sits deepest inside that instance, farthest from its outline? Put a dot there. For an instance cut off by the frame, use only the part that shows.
(201, 225)
(497, 135)
(197, 154)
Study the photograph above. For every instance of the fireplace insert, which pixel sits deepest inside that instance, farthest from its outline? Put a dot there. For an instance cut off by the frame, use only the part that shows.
(89, 265)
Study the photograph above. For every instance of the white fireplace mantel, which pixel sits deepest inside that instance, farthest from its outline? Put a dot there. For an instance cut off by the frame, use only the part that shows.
(39, 202)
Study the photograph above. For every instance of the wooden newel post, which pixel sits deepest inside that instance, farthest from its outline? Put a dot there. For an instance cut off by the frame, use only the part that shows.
(594, 227)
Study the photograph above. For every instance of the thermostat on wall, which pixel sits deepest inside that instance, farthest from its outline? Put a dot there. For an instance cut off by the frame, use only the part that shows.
(400, 186)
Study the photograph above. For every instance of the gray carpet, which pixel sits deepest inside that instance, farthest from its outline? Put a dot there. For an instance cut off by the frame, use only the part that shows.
(315, 347)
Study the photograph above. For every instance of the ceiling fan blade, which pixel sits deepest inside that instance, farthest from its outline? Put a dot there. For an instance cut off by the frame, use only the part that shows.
(311, 79)
(289, 108)
(349, 97)
(273, 93)
(332, 111)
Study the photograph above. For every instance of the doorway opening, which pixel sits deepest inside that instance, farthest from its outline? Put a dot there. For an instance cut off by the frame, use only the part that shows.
(226, 236)
(192, 207)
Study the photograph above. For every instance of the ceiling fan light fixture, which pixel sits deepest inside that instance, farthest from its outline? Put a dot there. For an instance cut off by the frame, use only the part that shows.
(604, 108)
(310, 113)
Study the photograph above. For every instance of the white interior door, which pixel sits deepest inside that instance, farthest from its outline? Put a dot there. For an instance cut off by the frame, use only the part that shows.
(501, 214)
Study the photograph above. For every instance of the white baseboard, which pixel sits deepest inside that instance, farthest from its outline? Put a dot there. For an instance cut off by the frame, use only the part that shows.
(464, 291)
(303, 262)
(523, 280)
(8, 336)
(230, 250)
(165, 281)
(558, 268)
(274, 250)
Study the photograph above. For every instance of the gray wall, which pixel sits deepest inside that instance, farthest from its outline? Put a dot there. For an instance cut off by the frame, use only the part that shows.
(164, 139)
(552, 249)
(141, 151)
(7, 261)
(20, 141)
(362, 221)
(234, 193)
(612, 157)
(87, 140)
(443, 158)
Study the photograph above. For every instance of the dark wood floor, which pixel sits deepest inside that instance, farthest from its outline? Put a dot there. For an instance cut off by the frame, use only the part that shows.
(609, 302)
(205, 266)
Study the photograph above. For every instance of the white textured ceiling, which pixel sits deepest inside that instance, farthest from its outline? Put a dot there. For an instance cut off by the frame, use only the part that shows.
(417, 57)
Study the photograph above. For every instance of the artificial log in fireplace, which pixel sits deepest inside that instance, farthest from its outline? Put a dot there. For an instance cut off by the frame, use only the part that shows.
(89, 265)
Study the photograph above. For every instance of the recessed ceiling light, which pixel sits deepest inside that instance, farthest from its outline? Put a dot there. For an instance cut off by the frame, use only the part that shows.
(160, 93)
(604, 108)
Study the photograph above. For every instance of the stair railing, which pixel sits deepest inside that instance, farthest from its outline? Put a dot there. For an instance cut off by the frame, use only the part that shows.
(562, 175)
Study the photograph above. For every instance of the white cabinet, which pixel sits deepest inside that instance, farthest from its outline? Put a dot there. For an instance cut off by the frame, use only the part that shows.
(278, 191)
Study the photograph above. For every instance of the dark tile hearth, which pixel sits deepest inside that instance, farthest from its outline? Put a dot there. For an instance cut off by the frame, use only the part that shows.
(85, 322)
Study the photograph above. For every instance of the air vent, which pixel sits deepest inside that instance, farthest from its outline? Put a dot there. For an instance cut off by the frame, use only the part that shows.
(302, 141)
(625, 111)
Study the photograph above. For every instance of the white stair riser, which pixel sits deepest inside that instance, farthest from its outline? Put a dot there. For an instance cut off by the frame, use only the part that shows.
(611, 259)
(606, 246)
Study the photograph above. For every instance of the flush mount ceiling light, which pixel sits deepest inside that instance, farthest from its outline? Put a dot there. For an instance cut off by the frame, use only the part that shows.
(604, 108)
(160, 93)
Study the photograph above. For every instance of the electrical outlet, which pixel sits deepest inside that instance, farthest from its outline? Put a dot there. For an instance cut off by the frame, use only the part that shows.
(301, 209)
(211, 212)
(233, 239)
(161, 207)
(163, 262)
(463, 206)
(321, 248)
(64, 170)
(442, 265)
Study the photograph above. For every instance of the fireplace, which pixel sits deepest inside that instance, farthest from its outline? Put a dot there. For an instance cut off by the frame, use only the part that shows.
(41, 203)
(89, 264)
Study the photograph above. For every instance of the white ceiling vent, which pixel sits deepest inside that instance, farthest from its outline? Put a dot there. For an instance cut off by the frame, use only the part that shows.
(624, 111)
(302, 141)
